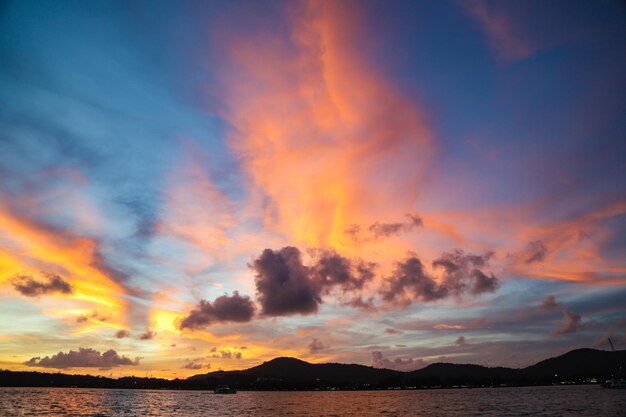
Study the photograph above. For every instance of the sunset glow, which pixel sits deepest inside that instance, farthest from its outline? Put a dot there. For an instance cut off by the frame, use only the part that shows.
(209, 185)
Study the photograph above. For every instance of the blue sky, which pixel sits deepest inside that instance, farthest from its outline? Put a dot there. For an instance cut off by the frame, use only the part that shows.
(151, 152)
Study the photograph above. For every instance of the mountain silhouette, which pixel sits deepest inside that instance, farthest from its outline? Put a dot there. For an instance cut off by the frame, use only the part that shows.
(577, 366)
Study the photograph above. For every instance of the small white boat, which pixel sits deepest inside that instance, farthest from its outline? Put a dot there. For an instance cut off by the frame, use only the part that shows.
(224, 389)
(615, 383)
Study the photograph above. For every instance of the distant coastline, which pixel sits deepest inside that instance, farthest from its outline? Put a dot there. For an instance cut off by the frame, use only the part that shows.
(581, 366)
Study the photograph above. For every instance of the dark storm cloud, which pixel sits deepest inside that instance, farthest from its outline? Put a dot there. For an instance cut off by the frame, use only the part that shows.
(235, 308)
(120, 334)
(316, 345)
(572, 323)
(483, 283)
(330, 269)
(51, 284)
(409, 281)
(461, 274)
(83, 358)
(93, 316)
(378, 231)
(286, 286)
(147, 335)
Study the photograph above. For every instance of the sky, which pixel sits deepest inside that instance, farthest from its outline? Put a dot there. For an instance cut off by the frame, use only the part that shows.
(190, 186)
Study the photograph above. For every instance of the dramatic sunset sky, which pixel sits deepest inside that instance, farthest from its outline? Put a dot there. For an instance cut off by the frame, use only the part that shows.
(202, 185)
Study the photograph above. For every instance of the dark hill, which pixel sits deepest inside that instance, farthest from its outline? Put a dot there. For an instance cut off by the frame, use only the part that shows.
(282, 373)
(296, 368)
(281, 367)
(449, 374)
(290, 373)
(579, 363)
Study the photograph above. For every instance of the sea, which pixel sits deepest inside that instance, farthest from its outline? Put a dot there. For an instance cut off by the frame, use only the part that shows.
(563, 401)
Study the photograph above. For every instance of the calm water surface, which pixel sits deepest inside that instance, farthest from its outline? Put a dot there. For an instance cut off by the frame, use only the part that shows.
(528, 401)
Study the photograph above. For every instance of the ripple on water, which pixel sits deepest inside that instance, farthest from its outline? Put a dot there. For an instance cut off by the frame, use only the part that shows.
(568, 401)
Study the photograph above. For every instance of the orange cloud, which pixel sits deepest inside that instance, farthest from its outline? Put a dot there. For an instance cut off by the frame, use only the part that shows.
(448, 326)
(573, 248)
(28, 247)
(328, 141)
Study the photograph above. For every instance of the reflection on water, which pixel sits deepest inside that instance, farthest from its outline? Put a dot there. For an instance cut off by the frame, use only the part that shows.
(527, 401)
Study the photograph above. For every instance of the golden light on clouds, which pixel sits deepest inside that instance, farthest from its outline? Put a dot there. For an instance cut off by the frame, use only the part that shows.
(39, 249)
(329, 142)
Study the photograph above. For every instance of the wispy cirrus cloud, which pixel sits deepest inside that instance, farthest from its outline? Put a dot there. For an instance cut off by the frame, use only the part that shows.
(517, 30)
(31, 245)
(197, 214)
(332, 125)
(505, 32)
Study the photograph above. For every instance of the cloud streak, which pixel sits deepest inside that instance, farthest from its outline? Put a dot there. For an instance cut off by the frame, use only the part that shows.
(353, 145)
(196, 364)
(505, 33)
(377, 231)
(77, 258)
